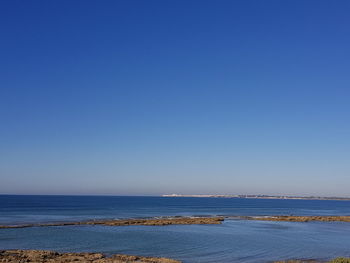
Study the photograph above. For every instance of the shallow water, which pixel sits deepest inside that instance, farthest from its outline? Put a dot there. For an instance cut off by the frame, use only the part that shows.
(233, 241)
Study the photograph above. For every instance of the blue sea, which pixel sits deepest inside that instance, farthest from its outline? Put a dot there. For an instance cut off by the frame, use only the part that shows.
(233, 241)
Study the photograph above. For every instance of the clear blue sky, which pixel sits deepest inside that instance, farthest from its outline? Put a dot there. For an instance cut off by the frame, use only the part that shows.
(152, 97)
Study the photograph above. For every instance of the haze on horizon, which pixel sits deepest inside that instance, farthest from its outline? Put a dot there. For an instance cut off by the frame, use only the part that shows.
(187, 97)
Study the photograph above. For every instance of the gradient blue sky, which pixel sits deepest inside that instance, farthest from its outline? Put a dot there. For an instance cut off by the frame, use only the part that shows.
(152, 97)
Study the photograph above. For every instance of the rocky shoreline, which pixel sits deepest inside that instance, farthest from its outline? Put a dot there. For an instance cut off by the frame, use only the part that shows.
(44, 256)
(302, 218)
(131, 222)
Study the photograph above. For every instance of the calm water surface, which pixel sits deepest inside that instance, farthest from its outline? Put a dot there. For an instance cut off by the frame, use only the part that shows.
(233, 241)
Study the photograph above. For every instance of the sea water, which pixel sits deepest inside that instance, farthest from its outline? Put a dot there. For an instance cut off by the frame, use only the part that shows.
(233, 241)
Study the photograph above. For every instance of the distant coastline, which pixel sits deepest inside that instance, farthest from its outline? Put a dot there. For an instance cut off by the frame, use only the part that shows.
(262, 197)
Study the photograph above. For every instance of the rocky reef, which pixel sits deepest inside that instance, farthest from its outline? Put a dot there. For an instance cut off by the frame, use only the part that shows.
(303, 218)
(43, 256)
(131, 222)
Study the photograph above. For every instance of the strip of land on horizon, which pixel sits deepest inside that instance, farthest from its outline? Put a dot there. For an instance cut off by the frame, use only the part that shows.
(261, 196)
